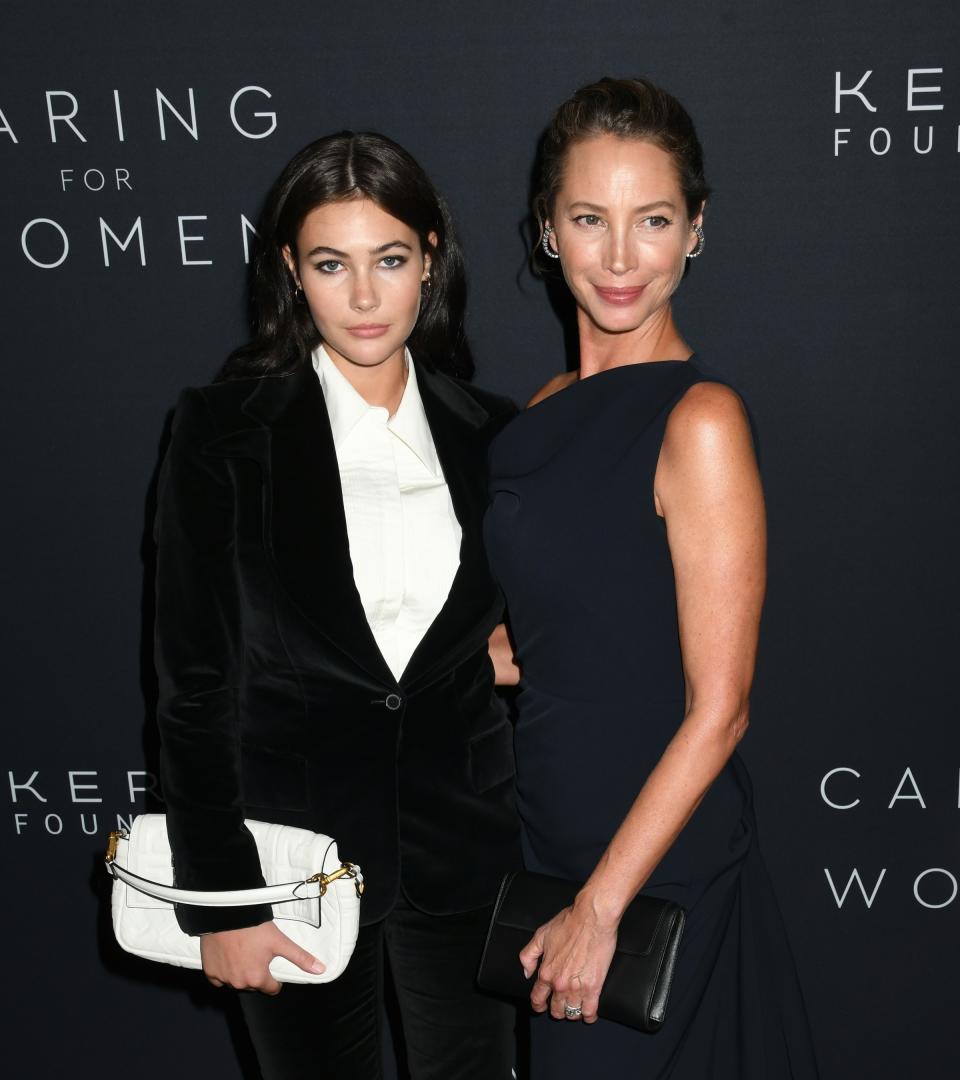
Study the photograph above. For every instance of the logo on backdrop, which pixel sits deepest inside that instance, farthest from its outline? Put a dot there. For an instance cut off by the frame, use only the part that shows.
(76, 802)
(119, 236)
(933, 887)
(917, 126)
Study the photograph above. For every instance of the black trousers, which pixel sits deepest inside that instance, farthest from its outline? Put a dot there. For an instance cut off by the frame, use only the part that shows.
(451, 1030)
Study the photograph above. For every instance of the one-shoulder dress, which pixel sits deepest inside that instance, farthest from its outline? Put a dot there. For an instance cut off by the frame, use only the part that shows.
(581, 554)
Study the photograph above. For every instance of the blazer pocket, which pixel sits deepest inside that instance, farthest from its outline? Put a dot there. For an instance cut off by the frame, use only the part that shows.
(491, 757)
(273, 778)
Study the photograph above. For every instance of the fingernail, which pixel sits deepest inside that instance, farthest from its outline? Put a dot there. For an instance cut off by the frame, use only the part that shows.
(527, 972)
(317, 968)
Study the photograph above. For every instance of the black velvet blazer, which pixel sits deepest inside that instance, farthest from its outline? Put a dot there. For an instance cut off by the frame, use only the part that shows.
(275, 702)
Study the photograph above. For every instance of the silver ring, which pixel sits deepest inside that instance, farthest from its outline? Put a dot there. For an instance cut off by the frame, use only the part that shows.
(571, 1012)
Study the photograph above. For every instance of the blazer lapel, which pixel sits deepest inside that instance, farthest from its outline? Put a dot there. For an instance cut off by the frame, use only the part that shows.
(307, 530)
(456, 420)
(306, 527)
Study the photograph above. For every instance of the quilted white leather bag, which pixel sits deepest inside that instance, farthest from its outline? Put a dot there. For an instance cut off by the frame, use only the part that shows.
(316, 902)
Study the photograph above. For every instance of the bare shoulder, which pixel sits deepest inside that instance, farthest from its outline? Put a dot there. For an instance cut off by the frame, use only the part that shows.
(707, 458)
(558, 382)
(709, 416)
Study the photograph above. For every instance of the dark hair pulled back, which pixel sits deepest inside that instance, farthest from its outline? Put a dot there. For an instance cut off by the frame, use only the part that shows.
(337, 167)
(629, 109)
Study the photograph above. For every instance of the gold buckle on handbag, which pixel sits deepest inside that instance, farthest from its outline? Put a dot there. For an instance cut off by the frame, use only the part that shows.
(347, 869)
(113, 839)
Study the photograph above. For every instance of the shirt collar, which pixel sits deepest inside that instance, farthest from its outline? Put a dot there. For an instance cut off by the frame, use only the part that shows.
(346, 408)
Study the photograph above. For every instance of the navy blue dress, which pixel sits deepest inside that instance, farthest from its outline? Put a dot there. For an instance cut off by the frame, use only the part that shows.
(582, 556)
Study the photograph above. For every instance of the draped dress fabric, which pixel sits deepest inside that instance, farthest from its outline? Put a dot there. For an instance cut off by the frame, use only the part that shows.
(582, 556)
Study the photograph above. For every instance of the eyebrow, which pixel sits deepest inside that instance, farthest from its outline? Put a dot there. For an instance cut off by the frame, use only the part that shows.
(321, 250)
(638, 210)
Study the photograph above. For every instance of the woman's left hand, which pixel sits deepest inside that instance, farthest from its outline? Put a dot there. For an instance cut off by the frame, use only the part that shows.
(505, 669)
(575, 949)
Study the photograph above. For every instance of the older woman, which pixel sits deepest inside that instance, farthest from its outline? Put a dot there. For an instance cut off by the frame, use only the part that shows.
(627, 530)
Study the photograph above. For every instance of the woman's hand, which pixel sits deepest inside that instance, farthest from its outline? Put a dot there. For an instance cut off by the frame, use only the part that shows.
(505, 669)
(576, 948)
(241, 958)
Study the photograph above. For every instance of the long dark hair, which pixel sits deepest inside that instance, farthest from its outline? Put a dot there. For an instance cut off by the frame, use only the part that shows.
(351, 165)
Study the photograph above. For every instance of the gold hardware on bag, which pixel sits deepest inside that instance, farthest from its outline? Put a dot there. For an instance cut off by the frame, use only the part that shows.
(113, 839)
(346, 870)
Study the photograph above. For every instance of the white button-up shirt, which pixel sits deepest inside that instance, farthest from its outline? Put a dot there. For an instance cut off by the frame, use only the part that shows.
(404, 536)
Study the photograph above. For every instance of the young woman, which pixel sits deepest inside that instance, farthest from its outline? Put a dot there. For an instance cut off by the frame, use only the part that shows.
(323, 611)
(627, 530)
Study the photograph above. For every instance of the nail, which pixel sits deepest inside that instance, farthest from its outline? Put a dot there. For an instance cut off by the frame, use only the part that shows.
(317, 968)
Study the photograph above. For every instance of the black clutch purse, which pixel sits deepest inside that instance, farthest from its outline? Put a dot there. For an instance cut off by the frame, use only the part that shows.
(638, 983)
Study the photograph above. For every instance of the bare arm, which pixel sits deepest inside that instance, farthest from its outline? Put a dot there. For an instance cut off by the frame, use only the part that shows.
(708, 489)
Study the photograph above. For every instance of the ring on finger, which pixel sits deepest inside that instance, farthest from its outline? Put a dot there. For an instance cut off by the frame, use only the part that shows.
(572, 1012)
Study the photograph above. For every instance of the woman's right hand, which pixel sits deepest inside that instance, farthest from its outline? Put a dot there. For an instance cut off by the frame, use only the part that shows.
(241, 958)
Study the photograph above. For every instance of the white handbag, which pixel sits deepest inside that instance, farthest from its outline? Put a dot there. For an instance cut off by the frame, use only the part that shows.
(316, 902)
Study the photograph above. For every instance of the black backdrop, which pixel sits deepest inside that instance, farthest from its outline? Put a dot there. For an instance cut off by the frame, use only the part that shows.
(827, 292)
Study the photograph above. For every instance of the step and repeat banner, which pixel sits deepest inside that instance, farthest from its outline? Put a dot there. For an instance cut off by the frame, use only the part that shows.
(136, 147)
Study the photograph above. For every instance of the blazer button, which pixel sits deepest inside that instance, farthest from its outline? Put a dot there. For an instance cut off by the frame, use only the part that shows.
(393, 702)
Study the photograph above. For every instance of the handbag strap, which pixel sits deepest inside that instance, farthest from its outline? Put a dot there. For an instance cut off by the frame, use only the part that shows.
(306, 889)
(270, 894)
